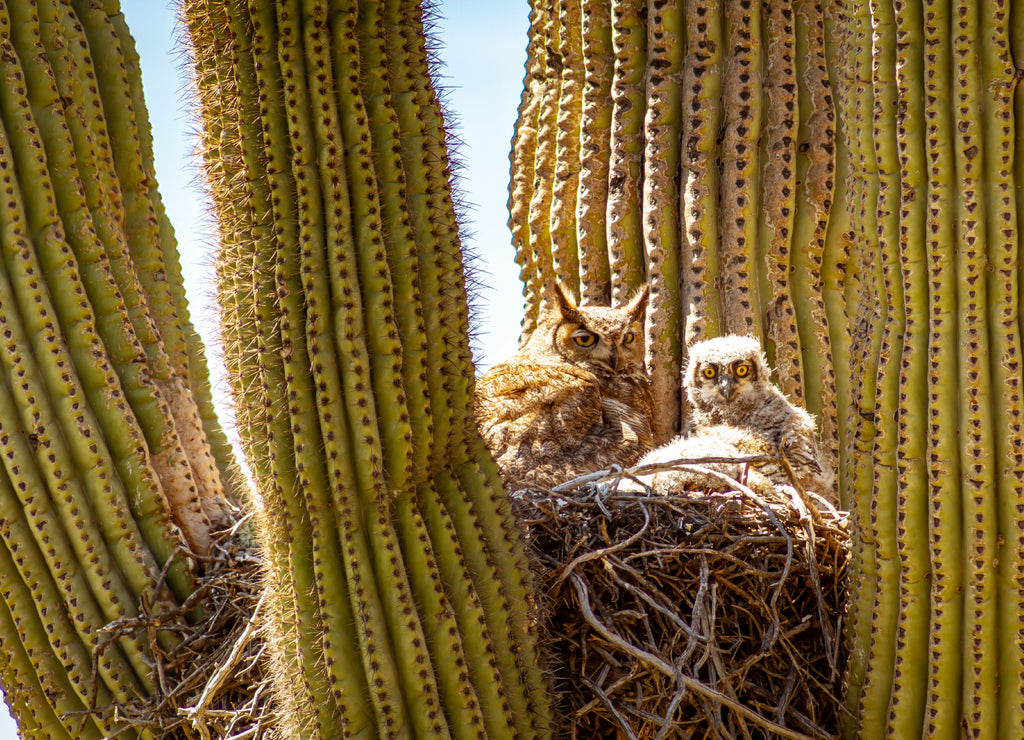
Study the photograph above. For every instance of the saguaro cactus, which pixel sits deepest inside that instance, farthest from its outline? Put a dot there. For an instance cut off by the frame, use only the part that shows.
(399, 602)
(847, 179)
(105, 411)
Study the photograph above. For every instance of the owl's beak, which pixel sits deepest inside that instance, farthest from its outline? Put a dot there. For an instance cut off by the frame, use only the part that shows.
(726, 387)
(613, 360)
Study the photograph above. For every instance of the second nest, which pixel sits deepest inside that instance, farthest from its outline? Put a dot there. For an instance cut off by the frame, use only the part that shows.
(698, 615)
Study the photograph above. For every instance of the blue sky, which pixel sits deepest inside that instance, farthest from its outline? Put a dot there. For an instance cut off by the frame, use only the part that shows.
(483, 46)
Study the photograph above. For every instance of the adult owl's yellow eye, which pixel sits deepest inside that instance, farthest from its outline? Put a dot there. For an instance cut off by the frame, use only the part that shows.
(709, 372)
(584, 338)
(628, 339)
(742, 371)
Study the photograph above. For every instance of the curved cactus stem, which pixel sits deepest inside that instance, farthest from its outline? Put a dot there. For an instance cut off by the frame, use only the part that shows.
(197, 377)
(46, 628)
(31, 668)
(369, 291)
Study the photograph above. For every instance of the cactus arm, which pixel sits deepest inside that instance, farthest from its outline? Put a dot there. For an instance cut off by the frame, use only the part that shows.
(50, 368)
(326, 624)
(341, 255)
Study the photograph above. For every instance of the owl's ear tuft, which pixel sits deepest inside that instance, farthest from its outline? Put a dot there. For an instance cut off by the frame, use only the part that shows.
(638, 303)
(566, 306)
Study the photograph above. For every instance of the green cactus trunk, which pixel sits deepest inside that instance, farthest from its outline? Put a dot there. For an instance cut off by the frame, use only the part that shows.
(112, 460)
(399, 602)
(847, 189)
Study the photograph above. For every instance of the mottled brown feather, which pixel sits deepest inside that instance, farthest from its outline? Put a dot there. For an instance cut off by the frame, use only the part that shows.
(556, 410)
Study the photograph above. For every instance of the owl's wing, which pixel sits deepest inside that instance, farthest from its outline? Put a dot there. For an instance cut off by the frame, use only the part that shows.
(799, 446)
(524, 395)
(628, 404)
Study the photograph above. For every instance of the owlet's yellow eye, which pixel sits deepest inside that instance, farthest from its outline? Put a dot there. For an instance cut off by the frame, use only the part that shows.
(742, 371)
(584, 339)
(628, 339)
(709, 372)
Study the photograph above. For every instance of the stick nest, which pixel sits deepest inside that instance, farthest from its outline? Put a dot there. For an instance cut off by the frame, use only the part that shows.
(697, 615)
(214, 683)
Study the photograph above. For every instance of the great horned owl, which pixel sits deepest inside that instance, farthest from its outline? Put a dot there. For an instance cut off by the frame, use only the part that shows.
(574, 399)
(727, 382)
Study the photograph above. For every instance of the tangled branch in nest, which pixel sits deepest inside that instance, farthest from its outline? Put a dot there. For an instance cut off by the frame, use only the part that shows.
(214, 684)
(698, 614)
